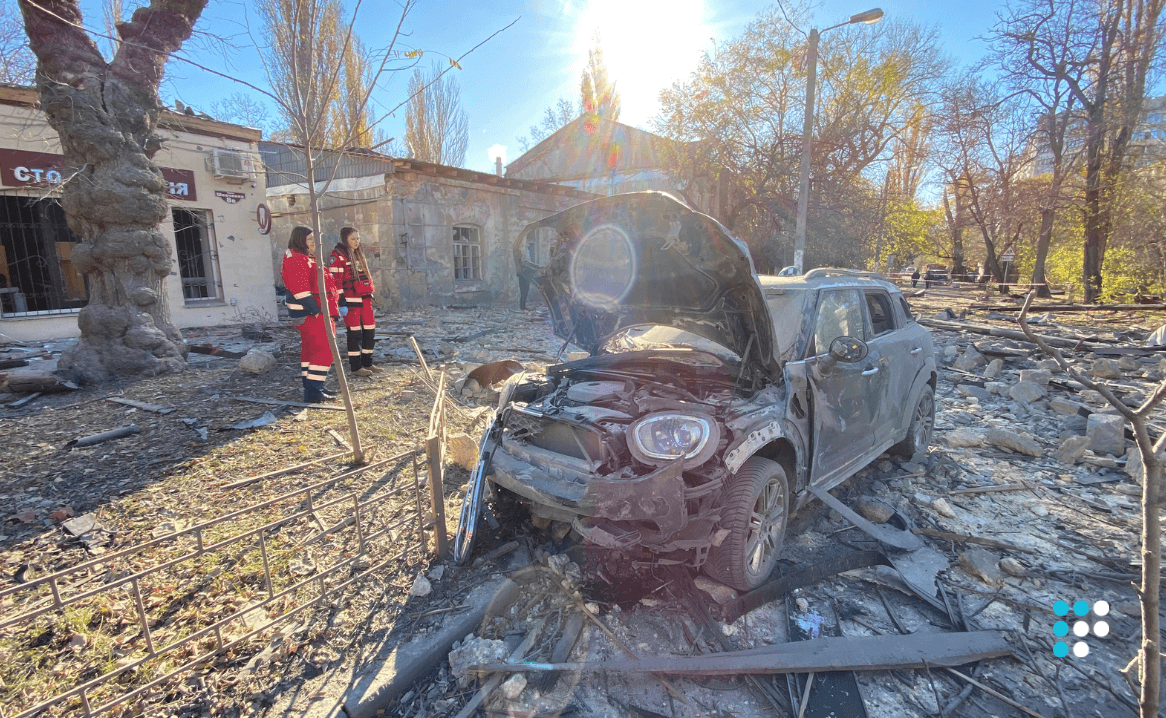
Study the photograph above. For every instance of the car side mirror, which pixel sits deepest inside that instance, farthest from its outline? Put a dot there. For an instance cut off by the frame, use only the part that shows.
(848, 350)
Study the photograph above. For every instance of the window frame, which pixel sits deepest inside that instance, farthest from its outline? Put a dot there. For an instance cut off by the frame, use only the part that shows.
(889, 310)
(467, 249)
(211, 280)
(812, 349)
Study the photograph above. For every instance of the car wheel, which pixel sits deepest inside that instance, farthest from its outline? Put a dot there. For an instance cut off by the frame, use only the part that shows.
(922, 424)
(755, 511)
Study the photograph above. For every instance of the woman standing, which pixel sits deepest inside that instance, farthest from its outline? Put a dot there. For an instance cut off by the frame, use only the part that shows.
(302, 281)
(350, 272)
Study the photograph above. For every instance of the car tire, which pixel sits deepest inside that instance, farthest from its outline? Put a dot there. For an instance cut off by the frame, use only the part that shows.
(755, 512)
(922, 426)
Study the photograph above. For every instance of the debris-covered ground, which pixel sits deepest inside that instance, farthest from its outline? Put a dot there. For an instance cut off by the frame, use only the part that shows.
(1024, 500)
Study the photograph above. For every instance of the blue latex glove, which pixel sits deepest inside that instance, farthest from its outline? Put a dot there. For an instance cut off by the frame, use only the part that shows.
(343, 311)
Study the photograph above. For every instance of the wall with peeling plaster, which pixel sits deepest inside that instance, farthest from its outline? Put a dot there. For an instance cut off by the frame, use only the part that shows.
(406, 220)
(244, 269)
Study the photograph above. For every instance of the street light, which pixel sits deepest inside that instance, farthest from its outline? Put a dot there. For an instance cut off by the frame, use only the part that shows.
(867, 18)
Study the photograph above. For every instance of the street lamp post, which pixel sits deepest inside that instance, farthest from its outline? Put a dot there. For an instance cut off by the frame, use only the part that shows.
(867, 18)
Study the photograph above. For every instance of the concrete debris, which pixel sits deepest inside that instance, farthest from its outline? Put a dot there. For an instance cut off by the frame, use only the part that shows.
(1016, 441)
(1037, 376)
(264, 419)
(1012, 567)
(1106, 434)
(513, 687)
(982, 564)
(873, 509)
(1072, 450)
(993, 369)
(970, 360)
(1026, 392)
(1049, 365)
(421, 586)
(1039, 510)
(81, 525)
(1106, 369)
(1064, 406)
(257, 361)
(965, 438)
(463, 450)
(473, 651)
(719, 592)
(943, 508)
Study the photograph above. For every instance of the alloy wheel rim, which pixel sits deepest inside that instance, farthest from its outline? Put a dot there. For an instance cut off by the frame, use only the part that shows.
(766, 526)
(924, 418)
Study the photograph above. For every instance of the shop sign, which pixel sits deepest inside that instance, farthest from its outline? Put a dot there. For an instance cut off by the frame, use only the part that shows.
(230, 197)
(19, 168)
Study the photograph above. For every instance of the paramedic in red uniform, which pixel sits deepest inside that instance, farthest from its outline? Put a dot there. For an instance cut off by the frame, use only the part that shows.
(350, 273)
(303, 287)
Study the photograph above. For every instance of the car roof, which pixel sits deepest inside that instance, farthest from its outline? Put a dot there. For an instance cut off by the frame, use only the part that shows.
(829, 277)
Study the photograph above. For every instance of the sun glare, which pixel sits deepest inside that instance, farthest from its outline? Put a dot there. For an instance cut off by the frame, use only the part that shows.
(647, 44)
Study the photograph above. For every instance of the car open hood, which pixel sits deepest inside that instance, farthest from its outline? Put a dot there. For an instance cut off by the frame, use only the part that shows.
(647, 258)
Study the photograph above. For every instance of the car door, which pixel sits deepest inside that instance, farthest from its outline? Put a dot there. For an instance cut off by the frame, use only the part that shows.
(890, 382)
(840, 391)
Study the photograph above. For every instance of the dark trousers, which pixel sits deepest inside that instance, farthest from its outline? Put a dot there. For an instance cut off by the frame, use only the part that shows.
(523, 290)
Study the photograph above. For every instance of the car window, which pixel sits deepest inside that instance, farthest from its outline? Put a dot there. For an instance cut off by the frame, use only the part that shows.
(882, 317)
(839, 315)
(906, 309)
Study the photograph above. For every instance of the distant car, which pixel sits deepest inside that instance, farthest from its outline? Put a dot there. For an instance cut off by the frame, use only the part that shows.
(909, 270)
(937, 276)
(790, 271)
(712, 399)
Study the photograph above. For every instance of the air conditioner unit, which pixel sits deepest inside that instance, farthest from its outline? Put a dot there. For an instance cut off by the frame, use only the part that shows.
(230, 165)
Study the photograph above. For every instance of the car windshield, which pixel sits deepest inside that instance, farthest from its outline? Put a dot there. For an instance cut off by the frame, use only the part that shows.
(662, 337)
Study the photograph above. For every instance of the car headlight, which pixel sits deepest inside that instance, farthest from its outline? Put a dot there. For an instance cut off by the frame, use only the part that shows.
(660, 439)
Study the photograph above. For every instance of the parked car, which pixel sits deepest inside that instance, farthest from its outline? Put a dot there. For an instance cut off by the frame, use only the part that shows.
(712, 399)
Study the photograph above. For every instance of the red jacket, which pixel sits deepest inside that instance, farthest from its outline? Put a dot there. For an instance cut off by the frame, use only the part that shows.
(303, 286)
(352, 278)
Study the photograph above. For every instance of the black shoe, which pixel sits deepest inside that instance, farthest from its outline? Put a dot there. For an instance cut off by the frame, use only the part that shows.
(329, 394)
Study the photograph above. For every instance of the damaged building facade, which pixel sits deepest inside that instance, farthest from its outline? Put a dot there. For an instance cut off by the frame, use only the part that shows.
(434, 235)
(605, 158)
(221, 272)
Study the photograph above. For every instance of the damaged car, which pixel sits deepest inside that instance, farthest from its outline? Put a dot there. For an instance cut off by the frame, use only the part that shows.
(712, 400)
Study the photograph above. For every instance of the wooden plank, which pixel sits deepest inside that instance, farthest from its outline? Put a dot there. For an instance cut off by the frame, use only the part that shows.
(1078, 344)
(144, 406)
(273, 402)
(21, 402)
(859, 653)
(961, 538)
(420, 357)
(990, 489)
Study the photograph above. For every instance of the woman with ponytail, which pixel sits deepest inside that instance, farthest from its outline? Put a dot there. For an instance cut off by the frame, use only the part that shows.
(303, 304)
(350, 272)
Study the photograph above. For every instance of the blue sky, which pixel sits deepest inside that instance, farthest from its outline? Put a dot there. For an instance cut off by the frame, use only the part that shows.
(507, 83)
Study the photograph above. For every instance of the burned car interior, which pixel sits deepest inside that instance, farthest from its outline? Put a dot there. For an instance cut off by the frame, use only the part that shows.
(711, 399)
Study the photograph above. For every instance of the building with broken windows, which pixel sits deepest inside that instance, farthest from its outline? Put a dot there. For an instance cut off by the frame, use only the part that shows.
(222, 271)
(433, 235)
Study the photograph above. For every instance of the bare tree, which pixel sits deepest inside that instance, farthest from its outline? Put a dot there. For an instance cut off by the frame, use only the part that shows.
(1112, 56)
(436, 127)
(299, 70)
(242, 108)
(554, 118)
(1149, 658)
(1035, 43)
(105, 114)
(17, 63)
(984, 157)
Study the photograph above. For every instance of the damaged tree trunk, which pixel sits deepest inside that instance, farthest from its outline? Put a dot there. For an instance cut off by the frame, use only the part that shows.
(1149, 656)
(113, 195)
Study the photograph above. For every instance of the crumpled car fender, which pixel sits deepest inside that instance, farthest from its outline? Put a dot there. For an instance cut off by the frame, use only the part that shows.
(748, 444)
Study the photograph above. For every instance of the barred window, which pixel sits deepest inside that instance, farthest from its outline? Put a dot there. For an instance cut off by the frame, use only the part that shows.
(467, 254)
(198, 262)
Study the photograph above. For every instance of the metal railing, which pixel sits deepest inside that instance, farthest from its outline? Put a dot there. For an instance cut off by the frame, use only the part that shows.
(369, 527)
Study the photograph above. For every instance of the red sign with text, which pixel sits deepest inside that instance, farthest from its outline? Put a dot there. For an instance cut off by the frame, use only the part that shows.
(19, 168)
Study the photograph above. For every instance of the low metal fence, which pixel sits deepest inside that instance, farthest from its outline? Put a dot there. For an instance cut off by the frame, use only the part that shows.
(261, 555)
